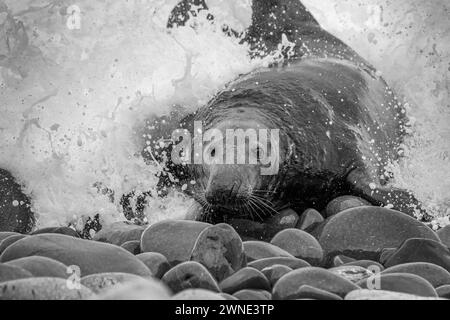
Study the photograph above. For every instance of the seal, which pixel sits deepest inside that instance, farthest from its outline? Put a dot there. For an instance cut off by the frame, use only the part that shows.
(339, 122)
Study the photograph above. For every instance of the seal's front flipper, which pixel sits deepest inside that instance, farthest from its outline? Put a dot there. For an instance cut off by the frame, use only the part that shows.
(399, 199)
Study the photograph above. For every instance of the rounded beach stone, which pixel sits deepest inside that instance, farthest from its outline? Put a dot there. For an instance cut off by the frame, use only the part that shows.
(352, 273)
(365, 294)
(133, 246)
(256, 250)
(444, 291)
(246, 278)
(343, 203)
(6, 234)
(190, 275)
(143, 289)
(101, 282)
(285, 219)
(8, 273)
(444, 235)
(420, 250)
(118, 233)
(341, 260)
(309, 292)
(228, 296)
(248, 294)
(300, 244)
(361, 233)
(197, 294)
(41, 267)
(400, 282)
(287, 287)
(275, 272)
(5, 243)
(59, 230)
(309, 220)
(174, 239)
(219, 248)
(90, 256)
(434, 274)
(155, 262)
(42, 289)
(290, 262)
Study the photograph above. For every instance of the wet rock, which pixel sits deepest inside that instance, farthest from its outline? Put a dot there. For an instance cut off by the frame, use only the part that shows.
(5, 243)
(361, 233)
(101, 282)
(444, 291)
(370, 265)
(255, 250)
(434, 274)
(119, 232)
(290, 262)
(246, 278)
(400, 282)
(444, 235)
(343, 203)
(42, 289)
(341, 260)
(90, 256)
(365, 294)
(352, 273)
(133, 247)
(144, 289)
(190, 275)
(197, 294)
(155, 262)
(219, 248)
(59, 230)
(247, 294)
(300, 244)
(288, 286)
(309, 292)
(251, 230)
(309, 220)
(275, 272)
(285, 219)
(172, 238)
(8, 273)
(420, 250)
(41, 267)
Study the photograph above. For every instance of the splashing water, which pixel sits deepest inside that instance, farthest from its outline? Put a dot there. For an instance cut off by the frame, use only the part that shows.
(75, 93)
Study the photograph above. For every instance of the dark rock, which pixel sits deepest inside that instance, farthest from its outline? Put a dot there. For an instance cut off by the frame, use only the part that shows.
(308, 292)
(309, 220)
(275, 272)
(300, 244)
(420, 250)
(41, 267)
(352, 273)
(401, 282)
(172, 238)
(370, 265)
(90, 256)
(155, 262)
(434, 274)
(254, 295)
(246, 278)
(5, 243)
(251, 230)
(285, 219)
(219, 248)
(365, 294)
(288, 286)
(59, 230)
(190, 275)
(144, 289)
(197, 294)
(444, 291)
(8, 273)
(119, 232)
(343, 203)
(361, 233)
(255, 250)
(341, 260)
(15, 212)
(42, 289)
(101, 282)
(444, 235)
(133, 246)
(290, 262)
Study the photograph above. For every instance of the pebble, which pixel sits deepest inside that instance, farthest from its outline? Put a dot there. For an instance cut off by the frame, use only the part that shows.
(290, 262)
(133, 246)
(198, 294)
(288, 286)
(144, 289)
(8, 273)
(343, 203)
(102, 282)
(59, 230)
(444, 291)
(5, 243)
(120, 232)
(174, 239)
(361, 233)
(246, 278)
(365, 294)
(256, 250)
(275, 272)
(190, 275)
(300, 244)
(309, 220)
(341, 260)
(444, 235)
(155, 262)
(254, 295)
(219, 248)
(6, 234)
(90, 256)
(285, 219)
(41, 267)
(434, 274)
(309, 292)
(352, 273)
